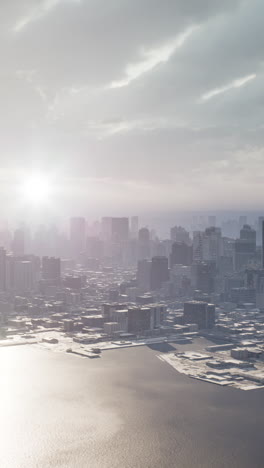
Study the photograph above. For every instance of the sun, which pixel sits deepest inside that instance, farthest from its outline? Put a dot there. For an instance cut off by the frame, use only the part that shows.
(36, 189)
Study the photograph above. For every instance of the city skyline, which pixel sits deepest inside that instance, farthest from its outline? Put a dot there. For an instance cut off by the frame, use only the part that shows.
(193, 302)
(131, 233)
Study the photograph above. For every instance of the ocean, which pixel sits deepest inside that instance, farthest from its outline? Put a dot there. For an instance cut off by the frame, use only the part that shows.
(126, 409)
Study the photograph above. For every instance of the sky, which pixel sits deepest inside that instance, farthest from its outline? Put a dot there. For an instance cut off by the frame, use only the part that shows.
(133, 105)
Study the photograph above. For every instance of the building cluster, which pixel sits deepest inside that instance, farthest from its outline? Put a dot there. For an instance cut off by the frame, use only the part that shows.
(115, 279)
(241, 368)
(240, 324)
(207, 263)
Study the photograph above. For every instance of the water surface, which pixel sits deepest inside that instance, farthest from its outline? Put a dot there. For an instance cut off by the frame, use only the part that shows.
(126, 409)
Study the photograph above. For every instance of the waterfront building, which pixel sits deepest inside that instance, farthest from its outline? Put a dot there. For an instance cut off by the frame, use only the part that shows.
(201, 313)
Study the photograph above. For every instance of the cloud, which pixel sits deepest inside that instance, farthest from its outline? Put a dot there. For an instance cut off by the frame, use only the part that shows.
(112, 90)
(152, 58)
(37, 12)
(233, 85)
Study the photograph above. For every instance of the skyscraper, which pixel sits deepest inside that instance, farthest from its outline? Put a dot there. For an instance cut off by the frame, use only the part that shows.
(181, 254)
(198, 246)
(51, 268)
(247, 233)
(143, 243)
(259, 229)
(179, 234)
(19, 242)
(134, 227)
(212, 245)
(245, 248)
(77, 235)
(255, 282)
(263, 244)
(23, 276)
(120, 229)
(203, 276)
(2, 269)
(106, 228)
(144, 235)
(159, 272)
(143, 274)
(115, 229)
(242, 220)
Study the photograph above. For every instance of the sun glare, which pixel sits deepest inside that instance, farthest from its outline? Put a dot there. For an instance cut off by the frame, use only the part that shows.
(36, 189)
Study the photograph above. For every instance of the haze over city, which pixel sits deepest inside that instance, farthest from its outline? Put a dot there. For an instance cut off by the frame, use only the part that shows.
(131, 234)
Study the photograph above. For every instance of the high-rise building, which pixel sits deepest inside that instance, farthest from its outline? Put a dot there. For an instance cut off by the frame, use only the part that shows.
(244, 254)
(179, 234)
(9, 276)
(158, 312)
(130, 253)
(161, 248)
(245, 248)
(115, 229)
(40, 245)
(53, 241)
(51, 268)
(207, 245)
(19, 242)
(24, 281)
(5, 238)
(2, 269)
(22, 273)
(134, 227)
(139, 319)
(230, 228)
(203, 276)
(108, 310)
(106, 228)
(181, 254)
(212, 245)
(198, 246)
(144, 235)
(258, 226)
(78, 235)
(201, 313)
(226, 261)
(143, 274)
(242, 221)
(120, 229)
(110, 328)
(226, 265)
(121, 317)
(247, 233)
(159, 272)
(255, 281)
(263, 244)
(143, 243)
